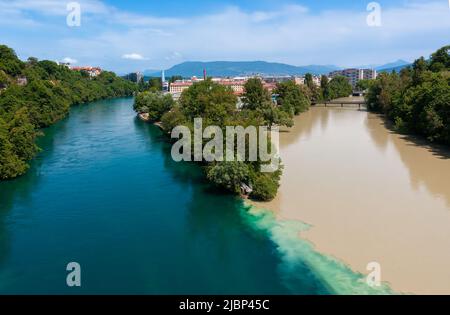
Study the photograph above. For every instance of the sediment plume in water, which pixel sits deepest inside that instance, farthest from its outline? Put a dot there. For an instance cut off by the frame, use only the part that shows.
(296, 252)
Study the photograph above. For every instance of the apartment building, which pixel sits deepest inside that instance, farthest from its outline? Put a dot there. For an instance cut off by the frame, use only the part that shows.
(355, 75)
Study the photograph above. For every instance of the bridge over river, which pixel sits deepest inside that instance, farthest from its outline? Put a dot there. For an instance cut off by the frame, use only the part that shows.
(343, 102)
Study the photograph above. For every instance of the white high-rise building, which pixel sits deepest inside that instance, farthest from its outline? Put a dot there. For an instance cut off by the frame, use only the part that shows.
(355, 75)
(165, 84)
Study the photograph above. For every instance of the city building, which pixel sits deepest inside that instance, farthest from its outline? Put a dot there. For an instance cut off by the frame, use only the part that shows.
(316, 80)
(180, 86)
(277, 79)
(92, 71)
(355, 75)
(302, 80)
(164, 83)
(65, 64)
(369, 74)
(22, 81)
(134, 77)
(299, 80)
(236, 84)
(270, 86)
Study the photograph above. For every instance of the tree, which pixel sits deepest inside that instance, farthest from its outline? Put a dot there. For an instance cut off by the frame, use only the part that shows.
(4, 80)
(209, 100)
(142, 85)
(323, 82)
(255, 95)
(22, 135)
(292, 98)
(155, 84)
(309, 81)
(154, 104)
(417, 100)
(382, 92)
(339, 87)
(229, 175)
(175, 78)
(10, 164)
(430, 103)
(265, 187)
(420, 66)
(172, 119)
(32, 61)
(9, 62)
(257, 98)
(274, 116)
(440, 60)
(363, 85)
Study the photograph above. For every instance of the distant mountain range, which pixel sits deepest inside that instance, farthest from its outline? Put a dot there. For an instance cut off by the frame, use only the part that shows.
(246, 68)
(397, 66)
(240, 68)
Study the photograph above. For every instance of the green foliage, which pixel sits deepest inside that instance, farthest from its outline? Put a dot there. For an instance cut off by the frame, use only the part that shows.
(9, 63)
(323, 82)
(363, 85)
(47, 97)
(22, 135)
(209, 100)
(229, 175)
(216, 105)
(292, 98)
(175, 78)
(155, 84)
(338, 87)
(265, 187)
(10, 164)
(142, 85)
(417, 100)
(275, 116)
(440, 60)
(309, 81)
(430, 103)
(172, 119)
(154, 104)
(255, 96)
(4, 80)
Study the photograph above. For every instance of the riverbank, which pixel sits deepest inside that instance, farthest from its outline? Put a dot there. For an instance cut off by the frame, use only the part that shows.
(367, 194)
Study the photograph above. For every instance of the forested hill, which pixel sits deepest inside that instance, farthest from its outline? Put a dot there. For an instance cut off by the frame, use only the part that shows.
(35, 94)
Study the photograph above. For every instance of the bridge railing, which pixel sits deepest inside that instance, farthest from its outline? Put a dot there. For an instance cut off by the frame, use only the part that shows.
(341, 103)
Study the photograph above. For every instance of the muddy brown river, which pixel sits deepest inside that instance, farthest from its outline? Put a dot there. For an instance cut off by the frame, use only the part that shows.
(370, 195)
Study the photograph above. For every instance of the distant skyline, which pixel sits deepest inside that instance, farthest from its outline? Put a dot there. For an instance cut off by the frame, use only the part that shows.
(126, 36)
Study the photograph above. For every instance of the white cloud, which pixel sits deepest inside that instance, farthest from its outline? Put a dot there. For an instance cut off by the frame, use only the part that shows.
(69, 60)
(92, 9)
(139, 20)
(291, 34)
(297, 36)
(133, 56)
(55, 7)
(174, 56)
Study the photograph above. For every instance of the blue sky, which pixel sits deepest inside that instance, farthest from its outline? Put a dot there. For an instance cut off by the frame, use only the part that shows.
(148, 34)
